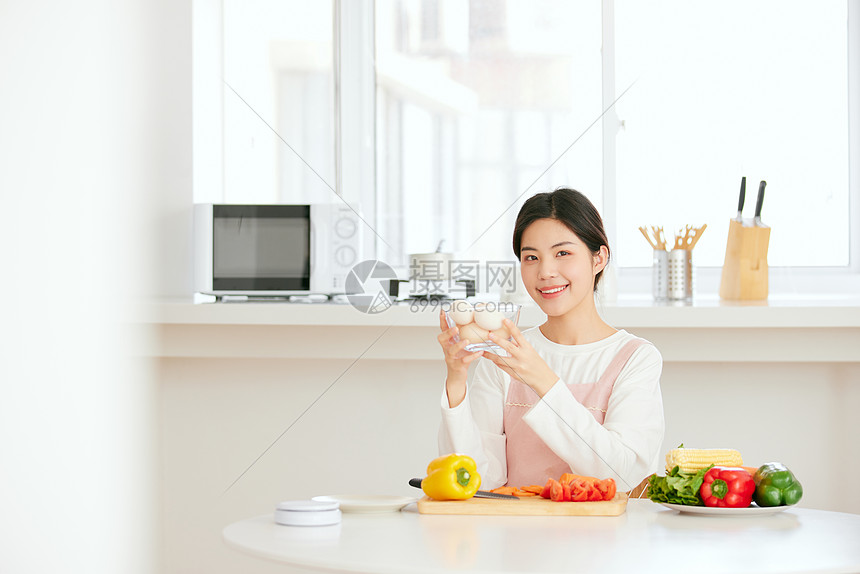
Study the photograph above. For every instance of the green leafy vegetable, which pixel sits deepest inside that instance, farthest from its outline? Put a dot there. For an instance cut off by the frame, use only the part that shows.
(677, 487)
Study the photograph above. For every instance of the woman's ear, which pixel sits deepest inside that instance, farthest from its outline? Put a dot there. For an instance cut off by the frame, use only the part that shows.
(601, 259)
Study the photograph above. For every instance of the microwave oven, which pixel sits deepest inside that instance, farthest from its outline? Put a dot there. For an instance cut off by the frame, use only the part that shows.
(274, 250)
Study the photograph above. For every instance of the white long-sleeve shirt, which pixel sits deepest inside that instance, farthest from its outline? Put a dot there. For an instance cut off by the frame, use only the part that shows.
(626, 447)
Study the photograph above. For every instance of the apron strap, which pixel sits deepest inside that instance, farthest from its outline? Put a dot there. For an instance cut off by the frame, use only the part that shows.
(614, 369)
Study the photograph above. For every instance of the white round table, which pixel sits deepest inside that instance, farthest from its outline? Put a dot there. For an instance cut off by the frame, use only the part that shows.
(646, 538)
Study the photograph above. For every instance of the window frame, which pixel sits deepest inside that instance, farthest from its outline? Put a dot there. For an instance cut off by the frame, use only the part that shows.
(355, 141)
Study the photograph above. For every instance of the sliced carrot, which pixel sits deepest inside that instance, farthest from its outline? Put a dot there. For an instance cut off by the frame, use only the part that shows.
(504, 490)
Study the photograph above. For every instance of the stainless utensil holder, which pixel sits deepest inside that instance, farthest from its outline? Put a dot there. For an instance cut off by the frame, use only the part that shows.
(660, 275)
(680, 275)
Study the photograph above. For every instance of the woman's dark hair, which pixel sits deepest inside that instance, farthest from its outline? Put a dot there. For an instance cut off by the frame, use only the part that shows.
(571, 208)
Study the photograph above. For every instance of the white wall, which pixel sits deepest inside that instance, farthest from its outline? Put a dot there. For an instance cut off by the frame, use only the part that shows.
(370, 433)
(95, 183)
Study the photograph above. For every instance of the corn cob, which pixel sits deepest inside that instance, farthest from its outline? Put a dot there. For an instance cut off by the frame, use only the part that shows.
(695, 459)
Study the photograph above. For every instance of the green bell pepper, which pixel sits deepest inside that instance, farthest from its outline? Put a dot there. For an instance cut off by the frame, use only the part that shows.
(775, 485)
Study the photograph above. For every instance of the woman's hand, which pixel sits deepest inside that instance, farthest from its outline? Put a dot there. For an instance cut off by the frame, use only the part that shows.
(523, 363)
(457, 360)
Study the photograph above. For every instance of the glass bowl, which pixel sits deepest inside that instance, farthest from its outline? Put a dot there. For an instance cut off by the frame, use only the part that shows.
(476, 320)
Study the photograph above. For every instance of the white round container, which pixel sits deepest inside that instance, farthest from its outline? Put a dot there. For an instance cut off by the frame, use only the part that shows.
(307, 513)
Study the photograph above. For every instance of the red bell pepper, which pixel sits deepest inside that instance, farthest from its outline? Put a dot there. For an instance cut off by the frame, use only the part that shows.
(727, 487)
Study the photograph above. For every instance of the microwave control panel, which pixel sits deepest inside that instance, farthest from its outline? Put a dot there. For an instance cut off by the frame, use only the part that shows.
(339, 239)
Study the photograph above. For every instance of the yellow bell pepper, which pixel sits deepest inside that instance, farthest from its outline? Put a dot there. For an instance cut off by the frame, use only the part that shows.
(451, 477)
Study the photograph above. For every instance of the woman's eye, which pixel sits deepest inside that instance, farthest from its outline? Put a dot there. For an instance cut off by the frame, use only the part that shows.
(529, 258)
(562, 253)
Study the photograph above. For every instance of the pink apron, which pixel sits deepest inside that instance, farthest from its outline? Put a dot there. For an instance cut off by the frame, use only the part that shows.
(530, 460)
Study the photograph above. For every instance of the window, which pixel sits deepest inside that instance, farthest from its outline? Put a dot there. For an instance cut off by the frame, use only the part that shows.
(756, 89)
(478, 103)
(475, 105)
(275, 97)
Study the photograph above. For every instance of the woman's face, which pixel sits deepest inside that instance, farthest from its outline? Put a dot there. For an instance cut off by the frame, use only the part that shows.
(557, 268)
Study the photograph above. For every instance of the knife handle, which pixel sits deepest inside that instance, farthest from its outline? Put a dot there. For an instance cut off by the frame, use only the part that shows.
(760, 198)
(743, 195)
(416, 482)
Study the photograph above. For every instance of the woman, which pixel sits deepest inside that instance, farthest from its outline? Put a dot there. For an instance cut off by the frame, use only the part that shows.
(575, 394)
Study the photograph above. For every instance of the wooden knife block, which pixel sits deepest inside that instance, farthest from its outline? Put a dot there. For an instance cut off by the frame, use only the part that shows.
(745, 269)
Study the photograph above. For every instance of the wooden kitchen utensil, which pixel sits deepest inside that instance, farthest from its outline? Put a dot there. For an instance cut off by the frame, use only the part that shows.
(745, 269)
(530, 506)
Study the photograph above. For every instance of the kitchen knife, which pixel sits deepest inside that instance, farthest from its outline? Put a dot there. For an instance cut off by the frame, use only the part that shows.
(759, 200)
(416, 482)
(741, 199)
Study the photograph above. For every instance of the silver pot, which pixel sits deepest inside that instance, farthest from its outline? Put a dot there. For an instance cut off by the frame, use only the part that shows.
(433, 266)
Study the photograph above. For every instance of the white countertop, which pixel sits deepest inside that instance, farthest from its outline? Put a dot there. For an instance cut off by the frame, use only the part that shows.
(807, 312)
(648, 538)
(796, 329)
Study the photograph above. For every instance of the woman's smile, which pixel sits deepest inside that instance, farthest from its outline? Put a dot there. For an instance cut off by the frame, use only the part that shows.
(552, 291)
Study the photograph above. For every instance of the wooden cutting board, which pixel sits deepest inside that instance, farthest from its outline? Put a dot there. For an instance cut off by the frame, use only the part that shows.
(530, 506)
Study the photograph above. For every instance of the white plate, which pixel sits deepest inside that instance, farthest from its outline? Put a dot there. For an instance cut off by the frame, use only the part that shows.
(716, 511)
(367, 503)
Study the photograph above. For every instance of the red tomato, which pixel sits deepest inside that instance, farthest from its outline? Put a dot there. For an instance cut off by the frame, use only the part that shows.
(545, 492)
(578, 491)
(567, 477)
(565, 489)
(556, 491)
(607, 488)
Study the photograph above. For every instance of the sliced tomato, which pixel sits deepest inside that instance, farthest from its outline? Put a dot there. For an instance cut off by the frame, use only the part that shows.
(545, 492)
(578, 488)
(556, 491)
(567, 477)
(578, 491)
(607, 488)
(565, 489)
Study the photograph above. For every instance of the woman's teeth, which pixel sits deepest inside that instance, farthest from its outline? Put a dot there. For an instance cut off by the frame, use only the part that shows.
(553, 290)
